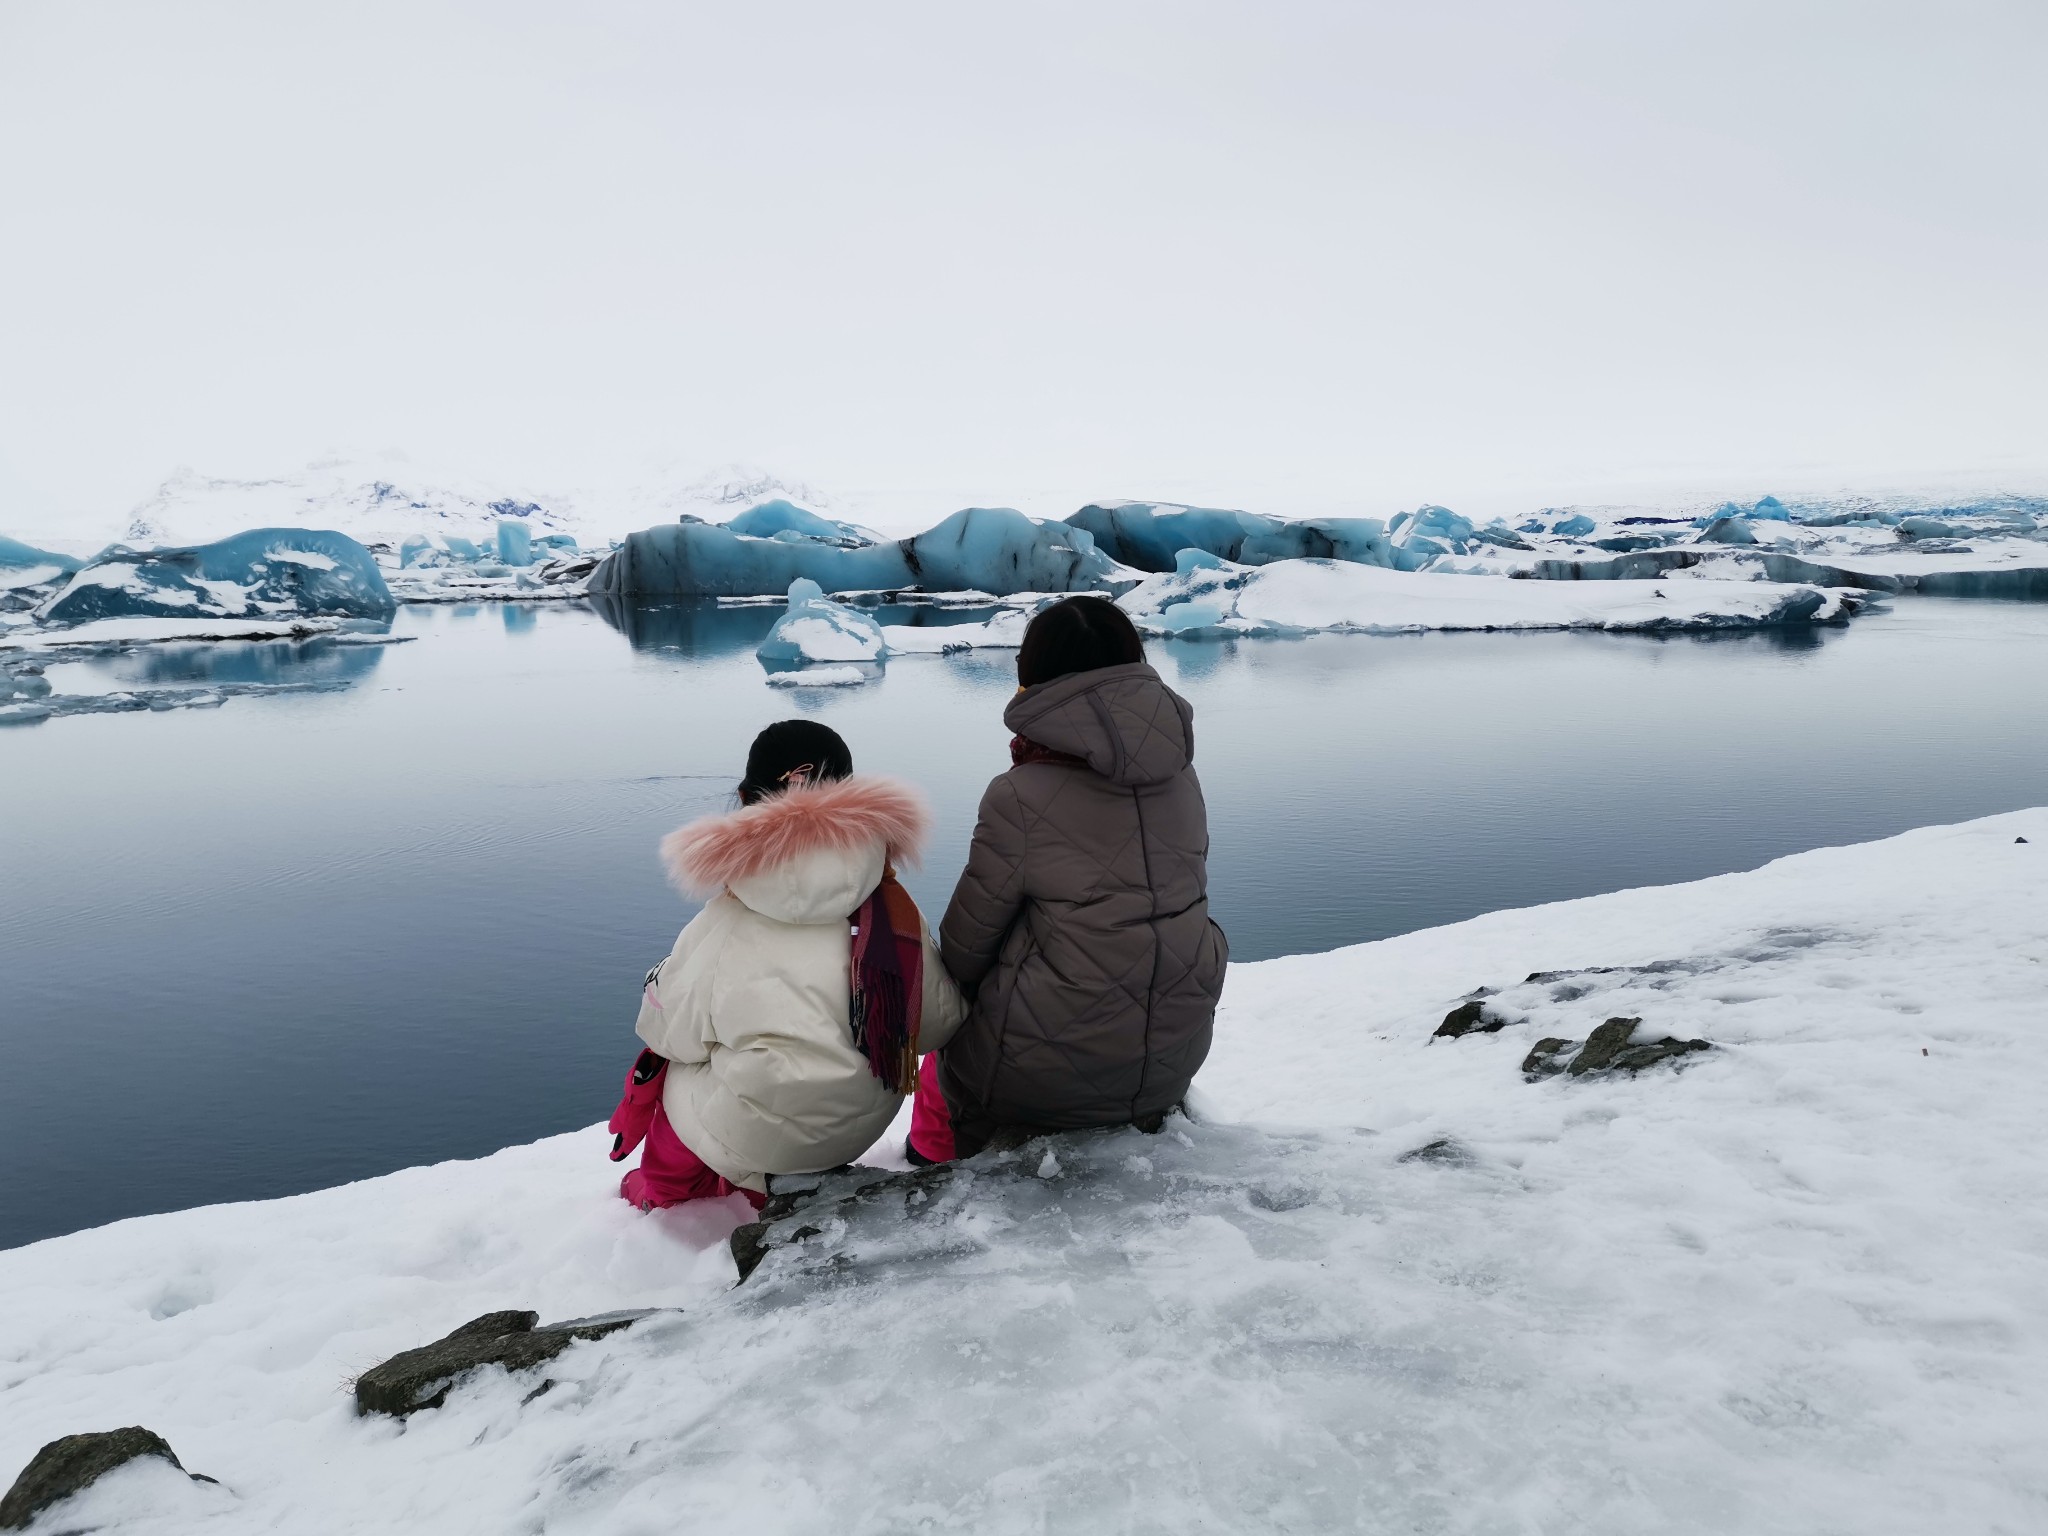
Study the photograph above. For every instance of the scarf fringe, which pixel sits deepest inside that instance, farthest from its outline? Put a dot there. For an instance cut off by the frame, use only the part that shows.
(887, 983)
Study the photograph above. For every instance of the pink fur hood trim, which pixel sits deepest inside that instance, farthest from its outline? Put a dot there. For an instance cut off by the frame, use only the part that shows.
(846, 814)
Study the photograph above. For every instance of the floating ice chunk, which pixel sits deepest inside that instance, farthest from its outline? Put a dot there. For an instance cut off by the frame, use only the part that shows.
(815, 629)
(1577, 526)
(515, 543)
(819, 677)
(1307, 596)
(262, 573)
(1005, 631)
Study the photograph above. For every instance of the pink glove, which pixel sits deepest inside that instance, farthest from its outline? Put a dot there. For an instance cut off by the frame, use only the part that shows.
(637, 1105)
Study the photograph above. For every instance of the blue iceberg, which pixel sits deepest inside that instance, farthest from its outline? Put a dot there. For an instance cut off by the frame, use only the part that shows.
(816, 629)
(983, 549)
(1000, 550)
(1149, 535)
(696, 559)
(515, 544)
(17, 558)
(263, 573)
(772, 519)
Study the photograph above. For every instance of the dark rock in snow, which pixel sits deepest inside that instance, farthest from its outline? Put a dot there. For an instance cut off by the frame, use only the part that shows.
(1602, 1046)
(1469, 1018)
(846, 1189)
(66, 1466)
(1445, 1150)
(1545, 1059)
(422, 1378)
(1608, 1050)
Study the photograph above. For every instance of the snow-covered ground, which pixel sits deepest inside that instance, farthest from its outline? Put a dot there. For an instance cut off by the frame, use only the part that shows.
(1793, 1284)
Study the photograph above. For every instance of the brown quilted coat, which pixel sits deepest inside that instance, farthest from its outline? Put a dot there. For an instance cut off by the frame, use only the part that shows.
(1080, 928)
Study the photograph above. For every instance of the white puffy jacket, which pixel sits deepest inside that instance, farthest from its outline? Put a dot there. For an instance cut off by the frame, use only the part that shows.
(751, 1007)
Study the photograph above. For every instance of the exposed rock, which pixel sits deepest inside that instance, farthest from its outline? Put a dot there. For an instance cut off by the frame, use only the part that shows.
(1602, 1046)
(66, 1466)
(422, 1378)
(1468, 1018)
(1445, 1150)
(1546, 1059)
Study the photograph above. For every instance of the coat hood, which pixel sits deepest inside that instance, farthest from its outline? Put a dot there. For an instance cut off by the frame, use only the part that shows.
(1127, 724)
(808, 855)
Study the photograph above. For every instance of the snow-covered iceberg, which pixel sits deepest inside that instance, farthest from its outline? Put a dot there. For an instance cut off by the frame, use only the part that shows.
(261, 573)
(985, 549)
(814, 629)
(1212, 597)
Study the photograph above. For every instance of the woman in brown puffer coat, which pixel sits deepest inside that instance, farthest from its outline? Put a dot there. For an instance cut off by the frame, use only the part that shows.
(1080, 928)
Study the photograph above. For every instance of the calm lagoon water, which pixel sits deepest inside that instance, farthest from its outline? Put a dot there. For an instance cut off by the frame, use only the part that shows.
(304, 939)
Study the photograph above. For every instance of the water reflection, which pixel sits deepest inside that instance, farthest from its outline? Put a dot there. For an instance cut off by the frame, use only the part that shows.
(703, 627)
(323, 661)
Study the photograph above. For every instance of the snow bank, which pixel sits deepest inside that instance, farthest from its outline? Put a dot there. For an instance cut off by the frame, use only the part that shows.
(1383, 1282)
(1211, 597)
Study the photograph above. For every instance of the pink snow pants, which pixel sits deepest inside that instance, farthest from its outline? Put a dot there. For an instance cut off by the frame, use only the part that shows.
(669, 1172)
(931, 1120)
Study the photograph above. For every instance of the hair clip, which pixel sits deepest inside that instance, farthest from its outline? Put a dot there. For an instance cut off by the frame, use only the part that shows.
(800, 774)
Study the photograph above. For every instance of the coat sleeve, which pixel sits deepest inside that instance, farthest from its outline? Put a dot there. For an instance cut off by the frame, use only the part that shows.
(944, 1007)
(991, 890)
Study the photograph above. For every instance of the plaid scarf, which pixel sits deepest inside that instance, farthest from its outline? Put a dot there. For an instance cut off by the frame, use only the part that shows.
(888, 982)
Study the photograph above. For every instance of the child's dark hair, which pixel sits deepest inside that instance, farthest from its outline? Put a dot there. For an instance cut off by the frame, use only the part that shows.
(1077, 634)
(792, 752)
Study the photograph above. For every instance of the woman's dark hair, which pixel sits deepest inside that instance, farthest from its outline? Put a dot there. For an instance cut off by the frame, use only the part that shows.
(790, 748)
(1077, 634)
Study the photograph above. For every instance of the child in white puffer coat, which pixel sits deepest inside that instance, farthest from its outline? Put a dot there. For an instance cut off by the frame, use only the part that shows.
(784, 1028)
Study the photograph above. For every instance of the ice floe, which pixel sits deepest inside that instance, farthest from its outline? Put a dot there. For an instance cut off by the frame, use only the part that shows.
(1208, 596)
(815, 629)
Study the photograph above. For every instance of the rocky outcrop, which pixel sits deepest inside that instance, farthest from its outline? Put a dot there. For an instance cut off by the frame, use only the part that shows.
(1608, 1049)
(76, 1462)
(1471, 1017)
(423, 1377)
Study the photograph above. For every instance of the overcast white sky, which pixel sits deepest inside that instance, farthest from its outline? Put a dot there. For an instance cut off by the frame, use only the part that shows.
(1305, 256)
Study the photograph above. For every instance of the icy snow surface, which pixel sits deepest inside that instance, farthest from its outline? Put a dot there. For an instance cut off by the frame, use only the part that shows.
(1209, 596)
(1792, 1285)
